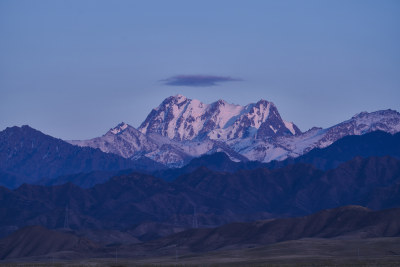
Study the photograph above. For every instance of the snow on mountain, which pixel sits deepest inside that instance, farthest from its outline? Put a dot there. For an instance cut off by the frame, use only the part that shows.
(126, 141)
(259, 121)
(180, 118)
(180, 129)
(279, 148)
(292, 128)
(294, 146)
(362, 123)
(123, 140)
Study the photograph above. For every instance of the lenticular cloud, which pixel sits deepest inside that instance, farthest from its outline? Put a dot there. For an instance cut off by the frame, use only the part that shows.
(197, 80)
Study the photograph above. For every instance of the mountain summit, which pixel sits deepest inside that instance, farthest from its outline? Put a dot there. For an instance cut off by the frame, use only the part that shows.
(180, 118)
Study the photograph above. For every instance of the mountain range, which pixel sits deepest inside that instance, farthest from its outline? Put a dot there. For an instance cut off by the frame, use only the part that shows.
(239, 173)
(57, 162)
(345, 222)
(136, 201)
(347, 225)
(371, 144)
(181, 129)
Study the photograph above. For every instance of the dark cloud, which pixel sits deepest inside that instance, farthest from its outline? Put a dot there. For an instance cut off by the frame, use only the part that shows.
(197, 80)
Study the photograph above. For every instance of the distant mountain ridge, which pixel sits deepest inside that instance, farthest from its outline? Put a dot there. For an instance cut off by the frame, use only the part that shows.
(347, 221)
(28, 155)
(343, 223)
(36, 240)
(240, 164)
(376, 143)
(123, 140)
(181, 129)
(130, 201)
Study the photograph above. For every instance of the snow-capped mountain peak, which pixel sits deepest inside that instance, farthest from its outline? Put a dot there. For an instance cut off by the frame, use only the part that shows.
(259, 120)
(181, 128)
(177, 117)
(180, 118)
(259, 113)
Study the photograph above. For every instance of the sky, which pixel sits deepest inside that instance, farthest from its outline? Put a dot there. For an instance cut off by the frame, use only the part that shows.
(74, 69)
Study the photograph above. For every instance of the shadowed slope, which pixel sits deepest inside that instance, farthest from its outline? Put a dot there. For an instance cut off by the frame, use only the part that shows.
(128, 201)
(36, 240)
(354, 223)
(350, 221)
(31, 155)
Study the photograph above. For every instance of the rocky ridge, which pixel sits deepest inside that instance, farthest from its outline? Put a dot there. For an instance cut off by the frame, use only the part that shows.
(180, 129)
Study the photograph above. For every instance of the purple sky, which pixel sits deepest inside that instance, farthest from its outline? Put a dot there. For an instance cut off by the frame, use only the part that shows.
(74, 69)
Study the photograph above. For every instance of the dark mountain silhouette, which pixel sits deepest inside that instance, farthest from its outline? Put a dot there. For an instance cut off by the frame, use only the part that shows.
(30, 155)
(85, 179)
(348, 221)
(12, 180)
(218, 161)
(213, 198)
(343, 223)
(300, 188)
(37, 240)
